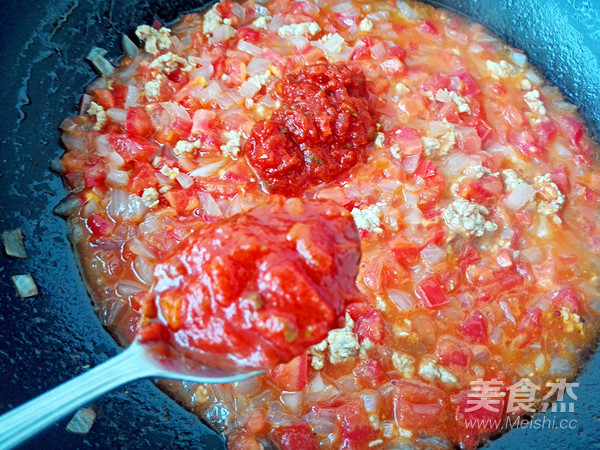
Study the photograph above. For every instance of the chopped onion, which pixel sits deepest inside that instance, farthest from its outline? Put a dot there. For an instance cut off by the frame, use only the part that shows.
(73, 143)
(258, 66)
(406, 11)
(563, 151)
(238, 10)
(403, 300)
(211, 92)
(322, 420)
(379, 15)
(410, 163)
(507, 233)
(342, 6)
(378, 51)
(293, 400)
(117, 178)
(456, 162)
(261, 399)
(507, 312)
(532, 255)
(387, 427)
(67, 206)
(124, 206)
(150, 224)
(520, 195)
(185, 180)
(129, 46)
(348, 383)
(432, 254)
(276, 23)
(96, 57)
(248, 89)
(466, 300)
(116, 159)
(117, 114)
(205, 68)
(209, 205)
(133, 95)
(25, 285)
(209, 169)
(139, 248)
(144, 270)
(82, 421)
(103, 147)
(127, 288)
(371, 401)
(533, 77)
(499, 148)
(520, 59)
(245, 46)
(221, 33)
(414, 216)
(300, 42)
(277, 415)
(247, 387)
(13, 243)
(175, 110)
(86, 102)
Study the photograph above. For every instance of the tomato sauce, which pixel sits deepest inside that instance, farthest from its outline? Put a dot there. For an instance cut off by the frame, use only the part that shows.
(259, 288)
(320, 131)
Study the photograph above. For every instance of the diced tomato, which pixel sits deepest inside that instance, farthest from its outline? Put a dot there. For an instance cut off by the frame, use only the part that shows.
(183, 200)
(356, 429)
(431, 294)
(178, 130)
(358, 309)
(469, 85)
(370, 327)
(111, 98)
(408, 140)
(132, 148)
(248, 34)
(468, 140)
(398, 52)
(420, 406)
(568, 298)
(514, 116)
(100, 225)
(369, 373)
(508, 277)
(450, 351)
(95, 176)
(382, 272)
(526, 142)
(138, 122)
(561, 178)
(435, 183)
(475, 327)
(142, 177)
(295, 437)
(469, 256)
(405, 251)
(546, 131)
(573, 128)
(243, 441)
(428, 28)
(482, 190)
(531, 319)
(257, 421)
(291, 376)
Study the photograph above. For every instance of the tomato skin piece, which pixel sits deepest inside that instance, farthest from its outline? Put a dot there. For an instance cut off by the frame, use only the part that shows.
(452, 352)
(431, 294)
(183, 200)
(138, 122)
(132, 148)
(95, 176)
(356, 429)
(291, 376)
(295, 437)
(99, 225)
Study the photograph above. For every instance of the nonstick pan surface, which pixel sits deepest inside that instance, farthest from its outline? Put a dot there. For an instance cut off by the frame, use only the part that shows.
(49, 339)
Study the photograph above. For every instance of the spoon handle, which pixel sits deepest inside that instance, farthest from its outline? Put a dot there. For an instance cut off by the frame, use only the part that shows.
(30, 418)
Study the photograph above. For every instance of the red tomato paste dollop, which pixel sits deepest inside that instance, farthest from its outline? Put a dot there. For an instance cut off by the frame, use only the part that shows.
(259, 288)
(319, 132)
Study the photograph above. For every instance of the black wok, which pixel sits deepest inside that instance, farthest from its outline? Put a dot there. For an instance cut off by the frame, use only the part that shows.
(49, 339)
